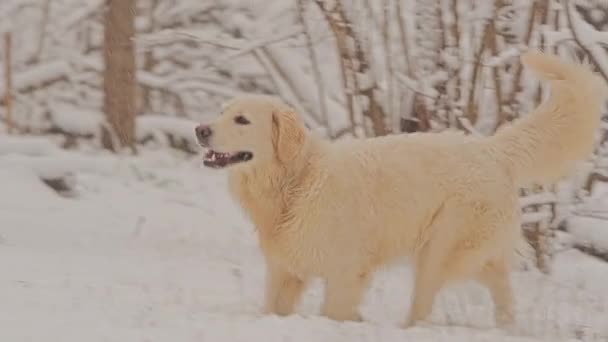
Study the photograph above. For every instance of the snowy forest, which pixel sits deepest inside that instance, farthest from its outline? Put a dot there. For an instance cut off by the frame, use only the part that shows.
(99, 103)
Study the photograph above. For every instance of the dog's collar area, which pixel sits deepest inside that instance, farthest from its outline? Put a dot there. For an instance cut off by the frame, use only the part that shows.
(218, 160)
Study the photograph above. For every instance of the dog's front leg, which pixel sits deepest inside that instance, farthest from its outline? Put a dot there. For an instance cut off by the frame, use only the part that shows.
(283, 290)
(343, 294)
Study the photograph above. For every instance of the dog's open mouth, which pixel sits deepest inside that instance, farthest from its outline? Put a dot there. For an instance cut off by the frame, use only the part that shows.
(218, 160)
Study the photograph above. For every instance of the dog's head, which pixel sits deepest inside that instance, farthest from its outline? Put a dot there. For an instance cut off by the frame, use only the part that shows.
(251, 130)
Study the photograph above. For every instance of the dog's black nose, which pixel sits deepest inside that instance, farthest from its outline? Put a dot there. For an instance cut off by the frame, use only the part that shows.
(203, 132)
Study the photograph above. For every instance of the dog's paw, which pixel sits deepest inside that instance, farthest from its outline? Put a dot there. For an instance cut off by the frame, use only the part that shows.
(505, 320)
(409, 323)
(344, 317)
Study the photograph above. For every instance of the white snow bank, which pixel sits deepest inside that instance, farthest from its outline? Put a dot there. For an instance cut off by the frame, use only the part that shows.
(156, 124)
(45, 159)
(18, 189)
(57, 166)
(38, 74)
(83, 121)
(76, 120)
(30, 146)
(589, 225)
(589, 231)
(157, 251)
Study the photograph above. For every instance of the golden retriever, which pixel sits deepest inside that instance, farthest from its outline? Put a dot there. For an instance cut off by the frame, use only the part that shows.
(448, 201)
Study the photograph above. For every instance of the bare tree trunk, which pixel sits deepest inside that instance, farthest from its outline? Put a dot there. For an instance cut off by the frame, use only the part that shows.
(8, 96)
(471, 107)
(354, 61)
(119, 75)
(388, 60)
(493, 46)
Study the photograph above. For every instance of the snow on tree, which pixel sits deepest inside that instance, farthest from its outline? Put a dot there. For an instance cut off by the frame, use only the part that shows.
(352, 68)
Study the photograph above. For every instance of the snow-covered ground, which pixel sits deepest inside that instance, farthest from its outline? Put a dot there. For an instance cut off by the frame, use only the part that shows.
(153, 249)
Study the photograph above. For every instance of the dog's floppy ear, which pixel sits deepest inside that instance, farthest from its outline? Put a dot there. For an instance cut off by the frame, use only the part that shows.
(287, 135)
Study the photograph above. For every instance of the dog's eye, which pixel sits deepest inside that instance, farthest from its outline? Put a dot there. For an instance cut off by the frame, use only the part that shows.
(241, 120)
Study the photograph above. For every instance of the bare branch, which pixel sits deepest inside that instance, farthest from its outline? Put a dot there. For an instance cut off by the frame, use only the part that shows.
(301, 8)
(592, 52)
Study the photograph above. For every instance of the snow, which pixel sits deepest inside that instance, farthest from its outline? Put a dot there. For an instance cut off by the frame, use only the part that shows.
(590, 231)
(39, 74)
(53, 167)
(155, 250)
(41, 157)
(539, 198)
(76, 120)
(32, 146)
(151, 80)
(502, 57)
(588, 227)
(151, 247)
(154, 125)
(256, 44)
(589, 38)
(79, 13)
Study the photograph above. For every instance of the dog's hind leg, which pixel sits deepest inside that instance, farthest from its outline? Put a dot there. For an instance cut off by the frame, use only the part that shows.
(429, 278)
(430, 260)
(343, 295)
(495, 276)
(283, 291)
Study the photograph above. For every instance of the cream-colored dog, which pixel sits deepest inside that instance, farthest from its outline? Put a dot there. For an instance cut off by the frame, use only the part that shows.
(449, 201)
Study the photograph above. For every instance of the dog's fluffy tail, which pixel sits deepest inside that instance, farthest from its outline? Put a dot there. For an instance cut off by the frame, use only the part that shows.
(543, 146)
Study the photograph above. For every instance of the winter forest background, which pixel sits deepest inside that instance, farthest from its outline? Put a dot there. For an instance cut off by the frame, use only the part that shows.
(84, 80)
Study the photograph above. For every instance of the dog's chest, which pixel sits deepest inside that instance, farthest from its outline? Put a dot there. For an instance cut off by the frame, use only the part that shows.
(292, 242)
(263, 207)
